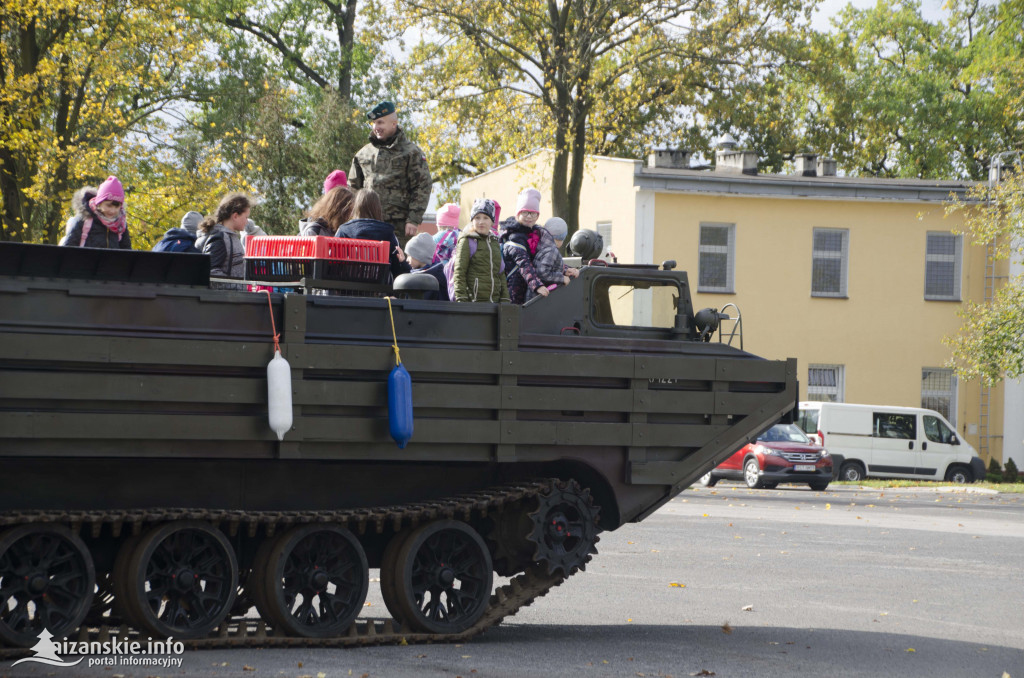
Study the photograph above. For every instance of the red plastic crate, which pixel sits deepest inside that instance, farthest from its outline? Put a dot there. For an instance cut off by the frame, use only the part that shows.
(274, 258)
(316, 247)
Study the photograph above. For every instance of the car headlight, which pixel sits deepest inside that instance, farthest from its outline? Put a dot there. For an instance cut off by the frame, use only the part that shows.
(824, 453)
(769, 451)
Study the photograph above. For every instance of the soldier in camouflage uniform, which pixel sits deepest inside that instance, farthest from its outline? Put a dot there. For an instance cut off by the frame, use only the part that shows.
(396, 169)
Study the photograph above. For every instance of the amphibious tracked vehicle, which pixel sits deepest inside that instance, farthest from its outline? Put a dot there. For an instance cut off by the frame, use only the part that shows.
(142, 491)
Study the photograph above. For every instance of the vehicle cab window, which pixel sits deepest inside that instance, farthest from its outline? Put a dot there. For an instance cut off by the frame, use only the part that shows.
(938, 432)
(633, 302)
(808, 420)
(891, 425)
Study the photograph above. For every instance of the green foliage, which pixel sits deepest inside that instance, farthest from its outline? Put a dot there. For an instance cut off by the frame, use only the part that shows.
(78, 86)
(505, 78)
(285, 100)
(1010, 473)
(889, 93)
(995, 471)
(990, 344)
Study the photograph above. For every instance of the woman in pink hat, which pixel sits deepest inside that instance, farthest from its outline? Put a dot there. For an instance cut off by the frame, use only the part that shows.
(100, 218)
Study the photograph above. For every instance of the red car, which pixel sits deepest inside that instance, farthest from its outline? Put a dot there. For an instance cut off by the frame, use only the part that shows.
(782, 454)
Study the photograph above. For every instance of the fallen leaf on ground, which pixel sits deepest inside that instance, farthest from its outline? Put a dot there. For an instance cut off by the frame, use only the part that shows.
(910, 649)
(703, 672)
(246, 667)
(677, 585)
(748, 608)
(726, 628)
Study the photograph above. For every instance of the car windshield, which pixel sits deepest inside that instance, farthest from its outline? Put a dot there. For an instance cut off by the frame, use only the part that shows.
(784, 433)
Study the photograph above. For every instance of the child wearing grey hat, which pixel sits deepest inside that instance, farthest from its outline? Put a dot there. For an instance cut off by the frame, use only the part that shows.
(420, 251)
(548, 263)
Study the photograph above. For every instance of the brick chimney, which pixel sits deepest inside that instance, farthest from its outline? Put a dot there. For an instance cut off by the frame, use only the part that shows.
(669, 158)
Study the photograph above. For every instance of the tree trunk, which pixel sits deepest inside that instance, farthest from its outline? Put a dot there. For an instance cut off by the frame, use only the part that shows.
(17, 208)
(579, 164)
(560, 205)
(346, 38)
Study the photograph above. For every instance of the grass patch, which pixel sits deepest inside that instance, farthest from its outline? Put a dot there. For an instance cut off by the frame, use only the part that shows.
(1007, 488)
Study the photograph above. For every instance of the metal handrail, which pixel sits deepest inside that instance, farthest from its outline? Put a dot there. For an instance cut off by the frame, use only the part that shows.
(737, 326)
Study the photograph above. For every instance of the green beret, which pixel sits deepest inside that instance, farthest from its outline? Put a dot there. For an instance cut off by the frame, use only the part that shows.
(380, 110)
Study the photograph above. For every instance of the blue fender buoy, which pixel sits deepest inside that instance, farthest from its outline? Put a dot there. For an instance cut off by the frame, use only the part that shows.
(400, 405)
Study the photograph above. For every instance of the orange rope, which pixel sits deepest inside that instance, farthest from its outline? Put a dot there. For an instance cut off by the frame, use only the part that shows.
(273, 326)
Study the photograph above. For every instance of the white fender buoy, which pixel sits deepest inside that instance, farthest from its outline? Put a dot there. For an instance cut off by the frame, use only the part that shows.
(279, 394)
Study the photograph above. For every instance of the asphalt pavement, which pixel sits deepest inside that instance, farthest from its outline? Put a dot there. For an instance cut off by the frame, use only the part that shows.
(732, 582)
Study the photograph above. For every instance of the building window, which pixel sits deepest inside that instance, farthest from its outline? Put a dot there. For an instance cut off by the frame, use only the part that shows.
(604, 229)
(716, 251)
(942, 267)
(829, 262)
(938, 391)
(825, 383)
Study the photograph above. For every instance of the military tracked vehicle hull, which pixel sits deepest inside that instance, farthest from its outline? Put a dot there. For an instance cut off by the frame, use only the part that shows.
(143, 489)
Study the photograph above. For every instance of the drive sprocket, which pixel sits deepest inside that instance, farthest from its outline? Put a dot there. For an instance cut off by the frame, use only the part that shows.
(564, 528)
(556, 529)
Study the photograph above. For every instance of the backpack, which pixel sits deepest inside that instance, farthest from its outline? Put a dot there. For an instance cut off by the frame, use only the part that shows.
(177, 240)
(449, 266)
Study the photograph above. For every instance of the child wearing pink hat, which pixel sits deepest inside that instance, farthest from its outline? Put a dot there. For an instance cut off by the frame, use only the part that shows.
(104, 205)
(519, 242)
(447, 232)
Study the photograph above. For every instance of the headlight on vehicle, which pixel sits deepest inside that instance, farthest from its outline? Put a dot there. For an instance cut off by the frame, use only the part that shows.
(824, 454)
(771, 452)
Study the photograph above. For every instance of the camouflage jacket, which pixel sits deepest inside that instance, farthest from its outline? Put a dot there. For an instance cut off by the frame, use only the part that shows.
(397, 170)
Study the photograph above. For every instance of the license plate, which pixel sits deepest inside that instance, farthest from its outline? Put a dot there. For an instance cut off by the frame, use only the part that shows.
(804, 467)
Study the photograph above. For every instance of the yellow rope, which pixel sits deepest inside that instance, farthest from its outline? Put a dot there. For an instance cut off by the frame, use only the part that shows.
(398, 357)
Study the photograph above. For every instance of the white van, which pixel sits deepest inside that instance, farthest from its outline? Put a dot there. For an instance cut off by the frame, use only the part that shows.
(890, 442)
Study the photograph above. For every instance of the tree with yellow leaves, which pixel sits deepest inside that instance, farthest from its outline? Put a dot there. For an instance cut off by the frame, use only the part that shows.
(81, 84)
(500, 78)
(990, 344)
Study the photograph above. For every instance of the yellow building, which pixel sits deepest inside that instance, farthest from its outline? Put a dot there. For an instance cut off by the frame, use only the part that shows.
(858, 278)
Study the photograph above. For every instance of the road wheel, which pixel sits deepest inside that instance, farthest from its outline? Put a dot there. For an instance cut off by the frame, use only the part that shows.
(819, 486)
(314, 581)
(752, 474)
(389, 574)
(47, 581)
(852, 472)
(182, 580)
(959, 475)
(443, 576)
(707, 480)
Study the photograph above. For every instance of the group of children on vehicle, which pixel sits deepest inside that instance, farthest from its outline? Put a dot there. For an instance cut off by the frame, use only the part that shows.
(487, 260)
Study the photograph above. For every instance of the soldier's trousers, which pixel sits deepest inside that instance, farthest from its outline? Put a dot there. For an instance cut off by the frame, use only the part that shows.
(399, 226)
